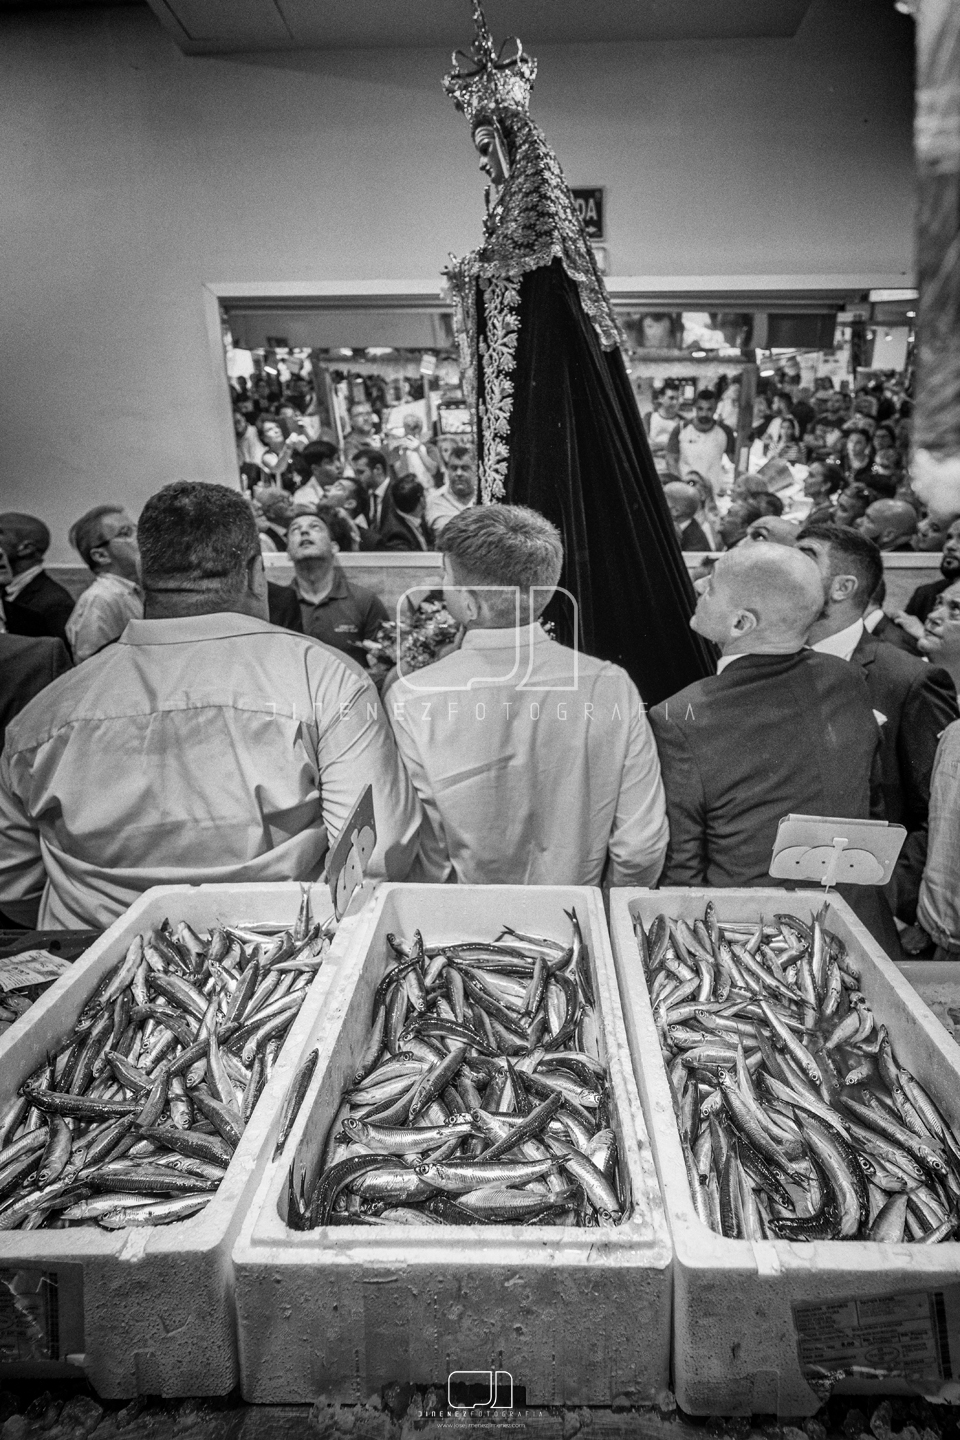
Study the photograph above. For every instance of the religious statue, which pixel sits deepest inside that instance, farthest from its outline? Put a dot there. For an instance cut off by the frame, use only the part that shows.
(556, 422)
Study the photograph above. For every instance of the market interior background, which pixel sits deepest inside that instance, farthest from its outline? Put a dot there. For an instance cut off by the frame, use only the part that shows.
(753, 157)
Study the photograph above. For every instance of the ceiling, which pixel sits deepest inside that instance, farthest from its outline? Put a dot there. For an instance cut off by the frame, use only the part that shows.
(224, 26)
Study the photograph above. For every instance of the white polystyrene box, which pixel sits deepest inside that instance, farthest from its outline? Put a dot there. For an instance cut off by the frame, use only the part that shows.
(576, 1316)
(150, 1310)
(735, 1338)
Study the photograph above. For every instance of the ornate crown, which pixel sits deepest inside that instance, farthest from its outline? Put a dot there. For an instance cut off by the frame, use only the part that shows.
(484, 81)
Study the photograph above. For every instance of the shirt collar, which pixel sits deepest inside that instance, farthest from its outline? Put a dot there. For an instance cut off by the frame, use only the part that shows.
(843, 643)
(21, 581)
(121, 580)
(726, 660)
(337, 591)
(221, 625)
(871, 621)
(503, 639)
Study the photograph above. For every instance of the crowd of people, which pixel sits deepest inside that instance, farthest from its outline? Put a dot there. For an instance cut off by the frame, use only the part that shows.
(180, 722)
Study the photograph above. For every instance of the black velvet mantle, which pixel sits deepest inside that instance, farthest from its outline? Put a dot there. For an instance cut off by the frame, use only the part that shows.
(579, 455)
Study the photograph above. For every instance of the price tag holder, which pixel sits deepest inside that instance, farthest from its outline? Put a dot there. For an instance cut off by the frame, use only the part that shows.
(834, 851)
(347, 861)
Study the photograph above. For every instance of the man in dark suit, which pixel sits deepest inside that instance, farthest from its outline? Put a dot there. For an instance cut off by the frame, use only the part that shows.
(284, 607)
(683, 502)
(27, 664)
(778, 730)
(875, 619)
(33, 604)
(917, 701)
(404, 527)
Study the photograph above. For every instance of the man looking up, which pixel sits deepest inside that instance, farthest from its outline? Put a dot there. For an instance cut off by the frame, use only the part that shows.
(940, 641)
(923, 600)
(663, 424)
(778, 730)
(534, 763)
(683, 502)
(332, 608)
(889, 524)
(703, 442)
(33, 604)
(917, 701)
(206, 745)
(106, 539)
(457, 494)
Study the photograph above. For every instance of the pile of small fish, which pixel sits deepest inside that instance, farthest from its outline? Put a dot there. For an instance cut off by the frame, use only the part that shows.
(796, 1119)
(480, 1098)
(136, 1117)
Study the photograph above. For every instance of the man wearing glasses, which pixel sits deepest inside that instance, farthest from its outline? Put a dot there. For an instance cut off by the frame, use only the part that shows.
(106, 538)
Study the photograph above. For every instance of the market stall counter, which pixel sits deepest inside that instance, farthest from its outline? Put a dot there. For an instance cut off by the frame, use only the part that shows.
(773, 1325)
(558, 1287)
(145, 1307)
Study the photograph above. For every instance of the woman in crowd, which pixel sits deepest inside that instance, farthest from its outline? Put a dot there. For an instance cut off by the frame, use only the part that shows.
(823, 482)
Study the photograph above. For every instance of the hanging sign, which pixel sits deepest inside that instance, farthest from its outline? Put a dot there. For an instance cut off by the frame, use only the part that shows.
(589, 203)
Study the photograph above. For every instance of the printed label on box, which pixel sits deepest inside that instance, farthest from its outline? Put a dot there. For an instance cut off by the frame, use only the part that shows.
(904, 1336)
(31, 967)
(41, 1314)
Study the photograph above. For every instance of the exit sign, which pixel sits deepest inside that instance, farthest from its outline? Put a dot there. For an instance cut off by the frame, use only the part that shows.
(589, 203)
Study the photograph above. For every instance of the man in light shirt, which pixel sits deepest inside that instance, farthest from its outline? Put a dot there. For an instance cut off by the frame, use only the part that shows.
(205, 746)
(912, 701)
(534, 764)
(106, 539)
(459, 492)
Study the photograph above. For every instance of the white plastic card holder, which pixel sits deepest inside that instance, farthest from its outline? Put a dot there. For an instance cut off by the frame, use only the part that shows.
(833, 851)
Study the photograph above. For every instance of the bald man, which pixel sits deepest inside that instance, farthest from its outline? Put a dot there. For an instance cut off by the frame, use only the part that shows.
(683, 502)
(33, 604)
(779, 729)
(891, 524)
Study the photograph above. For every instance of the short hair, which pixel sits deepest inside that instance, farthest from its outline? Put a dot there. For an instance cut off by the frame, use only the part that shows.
(86, 533)
(407, 493)
(849, 552)
(195, 536)
(859, 492)
(359, 495)
(461, 452)
(769, 504)
(749, 509)
(859, 430)
(669, 383)
(337, 523)
(374, 458)
(276, 505)
(505, 545)
(26, 530)
(318, 452)
(707, 395)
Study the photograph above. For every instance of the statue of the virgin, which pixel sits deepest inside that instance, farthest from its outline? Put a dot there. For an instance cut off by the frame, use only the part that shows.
(556, 423)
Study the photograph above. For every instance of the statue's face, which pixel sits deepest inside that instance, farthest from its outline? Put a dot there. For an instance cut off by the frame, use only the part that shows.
(493, 160)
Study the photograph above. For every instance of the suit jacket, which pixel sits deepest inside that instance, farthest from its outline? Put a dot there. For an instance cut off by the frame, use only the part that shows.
(395, 534)
(924, 599)
(284, 607)
(693, 537)
(769, 736)
(919, 701)
(891, 633)
(27, 664)
(42, 608)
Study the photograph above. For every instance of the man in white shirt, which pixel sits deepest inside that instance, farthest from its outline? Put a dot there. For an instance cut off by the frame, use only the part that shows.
(457, 494)
(913, 702)
(534, 763)
(106, 539)
(663, 424)
(703, 442)
(207, 745)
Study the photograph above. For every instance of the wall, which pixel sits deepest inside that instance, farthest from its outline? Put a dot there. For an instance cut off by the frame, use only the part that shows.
(131, 175)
